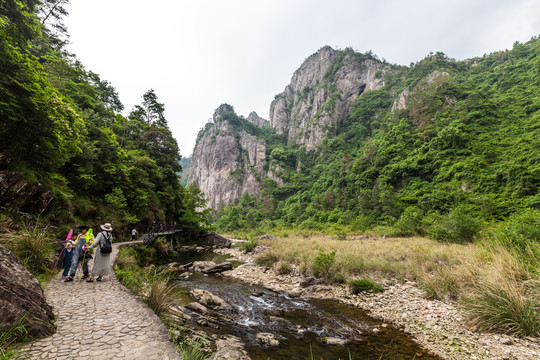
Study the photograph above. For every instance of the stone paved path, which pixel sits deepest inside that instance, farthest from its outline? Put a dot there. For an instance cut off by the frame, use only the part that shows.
(101, 320)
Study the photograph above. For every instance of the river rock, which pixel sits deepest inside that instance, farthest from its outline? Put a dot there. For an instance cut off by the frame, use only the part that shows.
(267, 339)
(199, 308)
(185, 266)
(224, 266)
(218, 241)
(311, 281)
(200, 266)
(267, 237)
(230, 348)
(20, 294)
(207, 298)
(183, 276)
(335, 341)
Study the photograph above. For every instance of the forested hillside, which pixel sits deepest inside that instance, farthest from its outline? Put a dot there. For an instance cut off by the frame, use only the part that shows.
(61, 126)
(441, 140)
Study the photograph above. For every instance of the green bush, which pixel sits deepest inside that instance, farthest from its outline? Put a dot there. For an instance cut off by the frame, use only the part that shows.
(360, 223)
(247, 246)
(410, 221)
(358, 285)
(461, 225)
(323, 262)
(521, 235)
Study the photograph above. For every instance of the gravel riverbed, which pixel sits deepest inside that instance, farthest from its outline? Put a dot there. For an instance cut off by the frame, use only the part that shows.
(438, 326)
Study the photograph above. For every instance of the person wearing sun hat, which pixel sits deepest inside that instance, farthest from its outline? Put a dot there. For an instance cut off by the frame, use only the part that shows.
(102, 259)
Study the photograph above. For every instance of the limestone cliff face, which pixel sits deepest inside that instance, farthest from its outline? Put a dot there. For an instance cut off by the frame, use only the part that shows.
(226, 161)
(321, 94)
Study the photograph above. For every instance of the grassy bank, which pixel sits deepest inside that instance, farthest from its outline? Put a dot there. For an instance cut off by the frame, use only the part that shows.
(497, 290)
(135, 270)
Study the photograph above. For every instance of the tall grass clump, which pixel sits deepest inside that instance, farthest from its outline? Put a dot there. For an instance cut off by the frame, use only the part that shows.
(160, 295)
(507, 306)
(192, 348)
(14, 334)
(505, 299)
(34, 245)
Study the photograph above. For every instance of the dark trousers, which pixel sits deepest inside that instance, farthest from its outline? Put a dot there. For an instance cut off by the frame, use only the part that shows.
(68, 256)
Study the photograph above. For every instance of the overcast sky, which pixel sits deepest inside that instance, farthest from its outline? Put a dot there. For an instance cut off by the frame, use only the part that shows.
(198, 54)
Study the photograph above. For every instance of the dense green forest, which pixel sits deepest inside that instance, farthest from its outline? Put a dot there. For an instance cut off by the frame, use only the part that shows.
(464, 151)
(61, 125)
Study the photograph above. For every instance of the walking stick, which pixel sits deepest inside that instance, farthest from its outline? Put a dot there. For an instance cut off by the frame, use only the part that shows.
(61, 252)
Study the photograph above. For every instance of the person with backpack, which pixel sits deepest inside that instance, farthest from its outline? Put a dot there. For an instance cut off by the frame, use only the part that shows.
(102, 258)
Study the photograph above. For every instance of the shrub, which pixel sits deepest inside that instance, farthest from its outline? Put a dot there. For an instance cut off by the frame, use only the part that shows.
(358, 285)
(247, 246)
(360, 223)
(282, 267)
(460, 225)
(521, 234)
(323, 262)
(410, 221)
(341, 235)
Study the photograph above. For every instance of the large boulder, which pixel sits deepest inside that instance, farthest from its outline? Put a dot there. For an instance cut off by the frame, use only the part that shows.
(230, 348)
(218, 268)
(20, 294)
(218, 241)
(208, 299)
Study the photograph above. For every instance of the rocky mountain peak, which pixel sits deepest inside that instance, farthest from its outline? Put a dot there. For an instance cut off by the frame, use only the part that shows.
(321, 94)
(227, 160)
(222, 109)
(257, 120)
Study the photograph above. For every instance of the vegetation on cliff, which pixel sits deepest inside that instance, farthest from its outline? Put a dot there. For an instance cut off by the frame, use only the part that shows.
(61, 126)
(462, 150)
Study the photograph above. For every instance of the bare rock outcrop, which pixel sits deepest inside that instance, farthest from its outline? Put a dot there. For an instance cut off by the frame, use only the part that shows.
(321, 94)
(21, 294)
(227, 162)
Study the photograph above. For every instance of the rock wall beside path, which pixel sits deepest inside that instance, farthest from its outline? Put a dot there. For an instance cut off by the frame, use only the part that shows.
(20, 295)
(101, 320)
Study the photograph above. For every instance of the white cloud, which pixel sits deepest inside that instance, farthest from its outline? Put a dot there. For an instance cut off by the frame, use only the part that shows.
(197, 55)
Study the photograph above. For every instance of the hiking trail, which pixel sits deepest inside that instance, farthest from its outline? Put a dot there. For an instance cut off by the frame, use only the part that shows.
(101, 320)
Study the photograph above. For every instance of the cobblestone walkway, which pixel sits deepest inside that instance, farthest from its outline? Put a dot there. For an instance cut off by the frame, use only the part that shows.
(101, 320)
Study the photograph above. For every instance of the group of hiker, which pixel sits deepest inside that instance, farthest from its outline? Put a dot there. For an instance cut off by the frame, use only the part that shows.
(77, 250)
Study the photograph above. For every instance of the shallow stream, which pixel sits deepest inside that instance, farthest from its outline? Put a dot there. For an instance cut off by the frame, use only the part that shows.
(300, 325)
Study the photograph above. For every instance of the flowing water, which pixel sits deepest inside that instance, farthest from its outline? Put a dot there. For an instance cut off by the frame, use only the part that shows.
(300, 325)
